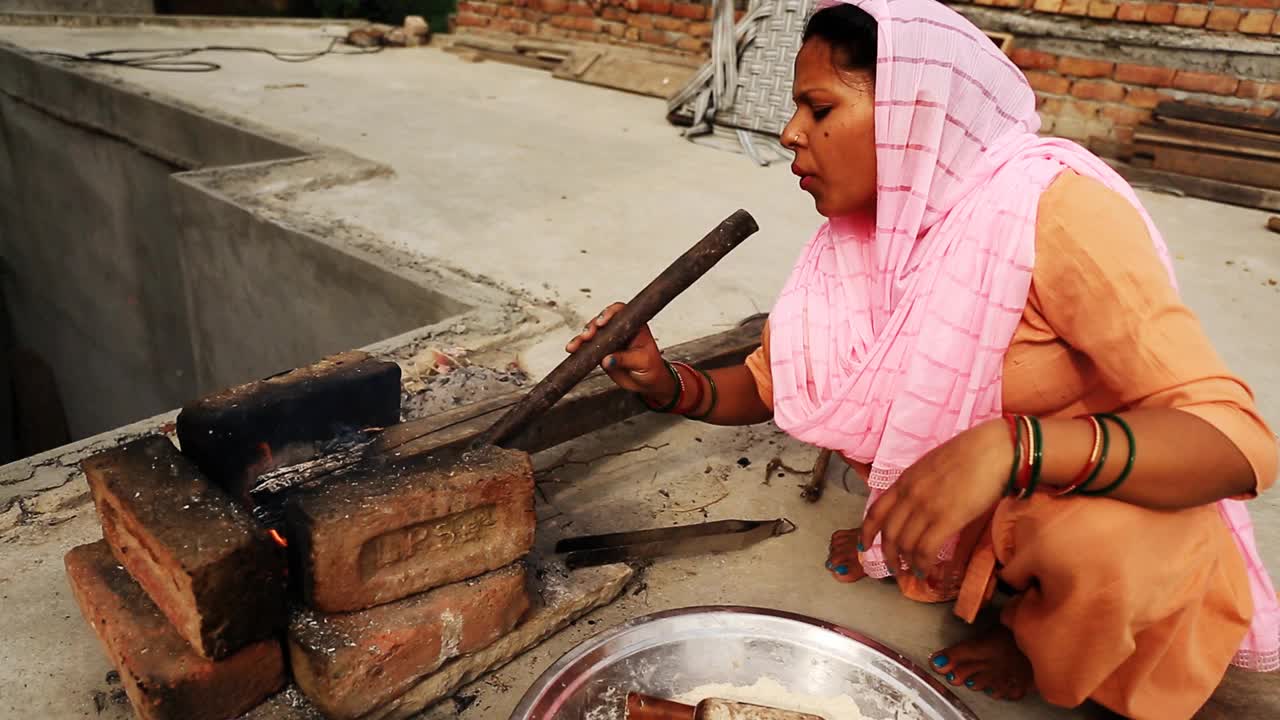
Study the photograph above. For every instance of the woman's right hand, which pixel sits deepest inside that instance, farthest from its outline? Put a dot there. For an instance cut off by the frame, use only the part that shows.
(640, 368)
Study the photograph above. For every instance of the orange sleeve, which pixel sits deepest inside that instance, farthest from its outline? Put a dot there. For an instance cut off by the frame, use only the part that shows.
(1101, 286)
(758, 363)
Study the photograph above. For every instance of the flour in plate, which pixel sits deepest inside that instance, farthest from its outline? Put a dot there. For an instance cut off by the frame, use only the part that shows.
(770, 693)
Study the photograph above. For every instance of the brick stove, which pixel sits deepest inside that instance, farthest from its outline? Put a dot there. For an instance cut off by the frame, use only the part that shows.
(355, 573)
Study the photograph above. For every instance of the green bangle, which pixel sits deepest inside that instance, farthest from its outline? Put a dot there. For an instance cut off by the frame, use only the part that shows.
(1128, 466)
(1012, 487)
(714, 397)
(675, 399)
(1102, 459)
(1037, 454)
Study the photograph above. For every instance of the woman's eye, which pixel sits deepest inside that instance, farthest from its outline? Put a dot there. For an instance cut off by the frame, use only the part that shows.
(820, 112)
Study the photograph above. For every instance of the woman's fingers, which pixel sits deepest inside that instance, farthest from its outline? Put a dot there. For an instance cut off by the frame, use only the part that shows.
(593, 325)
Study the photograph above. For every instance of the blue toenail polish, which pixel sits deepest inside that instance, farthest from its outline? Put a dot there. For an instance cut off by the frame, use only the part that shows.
(951, 677)
(842, 569)
(919, 573)
(613, 362)
(969, 683)
(829, 567)
(988, 691)
(861, 548)
(940, 661)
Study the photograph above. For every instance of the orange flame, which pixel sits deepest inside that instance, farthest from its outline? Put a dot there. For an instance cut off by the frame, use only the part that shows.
(275, 535)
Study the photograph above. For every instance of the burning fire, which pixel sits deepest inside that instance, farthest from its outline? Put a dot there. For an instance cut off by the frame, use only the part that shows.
(275, 535)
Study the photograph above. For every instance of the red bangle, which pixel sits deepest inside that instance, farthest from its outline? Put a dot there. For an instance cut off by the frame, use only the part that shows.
(683, 408)
(1087, 471)
(1024, 473)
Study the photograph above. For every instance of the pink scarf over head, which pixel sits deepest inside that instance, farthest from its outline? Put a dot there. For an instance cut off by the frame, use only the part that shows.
(889, 338)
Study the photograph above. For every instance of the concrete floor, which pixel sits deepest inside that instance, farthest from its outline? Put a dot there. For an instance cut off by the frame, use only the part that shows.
(575, 195)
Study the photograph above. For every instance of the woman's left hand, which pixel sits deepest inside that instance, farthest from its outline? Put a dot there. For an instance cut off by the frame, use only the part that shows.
(944, 491)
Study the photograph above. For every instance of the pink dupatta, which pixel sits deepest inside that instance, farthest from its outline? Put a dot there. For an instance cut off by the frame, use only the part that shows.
(889, 338)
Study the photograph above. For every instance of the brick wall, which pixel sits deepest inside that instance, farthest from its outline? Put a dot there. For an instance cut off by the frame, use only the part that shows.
(679, 26)
(1099, 67)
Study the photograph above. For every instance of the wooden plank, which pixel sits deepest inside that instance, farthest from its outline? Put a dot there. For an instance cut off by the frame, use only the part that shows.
(1215, 190)
(1215, 116)
(622, 71)
(1259, 173)
(1220, 129)
(594, 404)
(1205, 138)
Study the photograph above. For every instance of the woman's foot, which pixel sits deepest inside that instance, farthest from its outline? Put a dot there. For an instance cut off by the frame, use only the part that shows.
(842, 559)
(991, 663)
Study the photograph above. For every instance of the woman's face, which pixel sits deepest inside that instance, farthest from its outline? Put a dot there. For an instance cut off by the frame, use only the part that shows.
(833, 131)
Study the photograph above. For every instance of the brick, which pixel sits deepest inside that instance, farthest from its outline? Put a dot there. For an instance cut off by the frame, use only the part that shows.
(502, 25)
(1051, 106)
(1028, 59)
(210, 568)
(1145, 98)
(614, 29)
(586, 24)
(1079, 109)
(643, 22)
(1161, 13)
(1223, 19)
(1075, 7)
(1191, 16)
(241, 432)
(510, 12)
(1132, 12)
(1275, 27)
(1257, 22)
(1205, 83)
(1103, 10)
(692, 44)
(1048, 6)
(689, 11)
(164, 678)
(486, 9)
(574, 596)
(581, 10)
(554, 7)
(1103, 90)
(523, 27)
(655, 7)
(351, 663)
(671, 24)
(1255, 90)
(1085, 67)
(1256, 4)
(1123, 135)
(1127, 116)
(616, 14)
(382, 533)
(1145, 75)
(699, 29)
(1046, 83)
(466, 20)
(633, 34)
(655, 37)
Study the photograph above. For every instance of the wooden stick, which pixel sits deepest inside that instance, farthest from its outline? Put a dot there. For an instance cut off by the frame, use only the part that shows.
(613, 337)
(812, 491)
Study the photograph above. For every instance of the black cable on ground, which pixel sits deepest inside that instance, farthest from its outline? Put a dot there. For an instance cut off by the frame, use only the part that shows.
(171, 59)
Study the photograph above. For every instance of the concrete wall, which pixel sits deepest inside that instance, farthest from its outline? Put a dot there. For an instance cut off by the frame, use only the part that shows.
(144, 290)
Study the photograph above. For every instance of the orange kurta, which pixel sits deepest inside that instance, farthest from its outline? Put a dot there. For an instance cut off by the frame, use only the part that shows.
(1139, 610)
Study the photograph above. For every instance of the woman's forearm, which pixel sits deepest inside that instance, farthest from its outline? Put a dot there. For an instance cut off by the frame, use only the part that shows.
(1180, 460)
(736, 400)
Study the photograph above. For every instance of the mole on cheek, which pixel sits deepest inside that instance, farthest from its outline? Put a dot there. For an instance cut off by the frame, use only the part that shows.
(826, 134)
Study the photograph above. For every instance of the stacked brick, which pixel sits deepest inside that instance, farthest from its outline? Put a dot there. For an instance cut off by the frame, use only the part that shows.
(676, 26)
(394, 567)
(1101, 102)
(1250, 17)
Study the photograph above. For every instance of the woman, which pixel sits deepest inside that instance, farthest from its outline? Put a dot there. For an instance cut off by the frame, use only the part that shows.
(988, 328)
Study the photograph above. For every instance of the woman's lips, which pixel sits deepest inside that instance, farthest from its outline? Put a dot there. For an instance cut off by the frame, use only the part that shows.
(806, 181)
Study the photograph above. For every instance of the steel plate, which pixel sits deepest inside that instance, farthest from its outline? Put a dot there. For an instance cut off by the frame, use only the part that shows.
(670, 653)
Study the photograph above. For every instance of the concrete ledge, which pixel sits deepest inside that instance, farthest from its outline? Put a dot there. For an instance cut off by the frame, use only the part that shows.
(87, 19)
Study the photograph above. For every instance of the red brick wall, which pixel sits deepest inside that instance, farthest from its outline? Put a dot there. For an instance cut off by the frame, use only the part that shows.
(679, 26)
(1101, 102)
(1252, 17)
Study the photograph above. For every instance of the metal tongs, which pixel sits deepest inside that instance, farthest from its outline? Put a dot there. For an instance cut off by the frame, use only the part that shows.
(679, 541)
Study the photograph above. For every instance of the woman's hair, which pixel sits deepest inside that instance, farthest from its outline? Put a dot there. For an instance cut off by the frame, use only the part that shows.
(850, 31)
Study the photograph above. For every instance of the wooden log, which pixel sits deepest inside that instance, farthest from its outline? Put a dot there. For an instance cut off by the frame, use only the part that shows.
(1222, 130)
(678, 276)
(1215, 190)
(594, 404)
